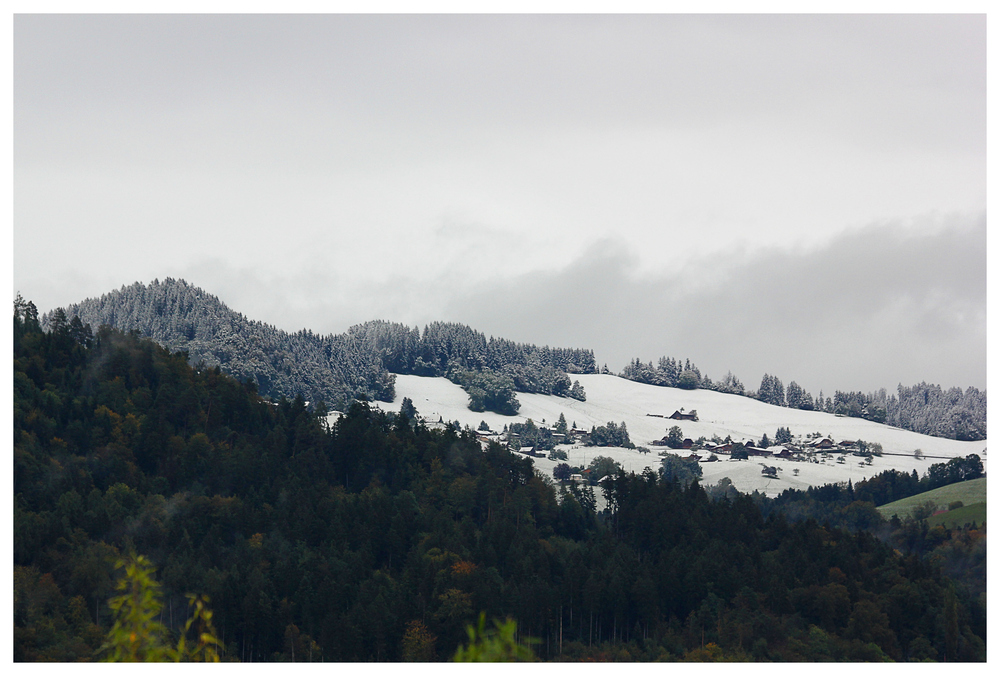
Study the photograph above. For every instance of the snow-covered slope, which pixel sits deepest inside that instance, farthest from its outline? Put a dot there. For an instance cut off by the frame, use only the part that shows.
(610, 398)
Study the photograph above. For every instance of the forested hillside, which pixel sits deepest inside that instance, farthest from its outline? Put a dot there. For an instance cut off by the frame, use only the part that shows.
(179, 316)
(379, 539)
(336, 368)
(339, 368)
(489, 370)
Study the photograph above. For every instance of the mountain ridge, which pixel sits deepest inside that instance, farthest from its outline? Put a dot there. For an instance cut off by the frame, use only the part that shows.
(336, 368)
(361, 363)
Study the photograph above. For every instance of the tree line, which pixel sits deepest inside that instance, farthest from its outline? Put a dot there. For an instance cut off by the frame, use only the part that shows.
(852, 505)
(336, 368)
(926, 409)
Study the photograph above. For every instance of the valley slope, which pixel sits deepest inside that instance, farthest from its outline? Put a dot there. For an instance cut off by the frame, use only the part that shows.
(610, 398)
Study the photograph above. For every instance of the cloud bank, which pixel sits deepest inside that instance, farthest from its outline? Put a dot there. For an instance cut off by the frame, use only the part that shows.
(690, 185)
(878, 306)
(874, 307)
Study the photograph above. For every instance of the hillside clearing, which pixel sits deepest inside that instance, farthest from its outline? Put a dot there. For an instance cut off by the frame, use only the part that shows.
(958, 518)
(610, 398)
(968, 492)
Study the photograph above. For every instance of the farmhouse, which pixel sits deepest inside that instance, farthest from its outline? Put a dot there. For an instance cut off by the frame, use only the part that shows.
(687, 443)
(692, 415)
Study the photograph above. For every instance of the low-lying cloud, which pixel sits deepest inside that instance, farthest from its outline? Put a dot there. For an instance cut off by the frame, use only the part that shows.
(872, 308)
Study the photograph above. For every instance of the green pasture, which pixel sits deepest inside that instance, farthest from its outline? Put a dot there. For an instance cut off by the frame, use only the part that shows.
(962, 516)
(970, 493)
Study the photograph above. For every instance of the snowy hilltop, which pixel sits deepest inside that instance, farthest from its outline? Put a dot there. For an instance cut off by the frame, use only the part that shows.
(496, 376)
(645, 410)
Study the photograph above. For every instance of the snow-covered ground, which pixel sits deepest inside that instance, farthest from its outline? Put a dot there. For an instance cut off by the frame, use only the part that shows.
(610, 398)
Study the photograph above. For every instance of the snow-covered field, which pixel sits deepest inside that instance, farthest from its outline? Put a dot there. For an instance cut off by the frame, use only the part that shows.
(610, 398)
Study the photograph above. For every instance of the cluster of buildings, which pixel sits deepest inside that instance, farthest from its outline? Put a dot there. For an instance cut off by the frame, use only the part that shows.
(802, 451)
(513, 440)
(703, 452)
(786, 451)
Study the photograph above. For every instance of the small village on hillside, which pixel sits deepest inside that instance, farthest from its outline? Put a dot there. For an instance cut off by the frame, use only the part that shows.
(810, 448)
(754, 445)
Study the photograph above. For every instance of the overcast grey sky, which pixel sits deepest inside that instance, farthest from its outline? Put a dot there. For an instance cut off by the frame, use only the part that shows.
(803, 196)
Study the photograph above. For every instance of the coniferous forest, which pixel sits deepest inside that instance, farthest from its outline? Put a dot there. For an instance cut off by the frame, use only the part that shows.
(378, 539)
(336, 368)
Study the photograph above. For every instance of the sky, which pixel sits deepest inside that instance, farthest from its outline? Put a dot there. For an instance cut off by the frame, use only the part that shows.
(803, 196)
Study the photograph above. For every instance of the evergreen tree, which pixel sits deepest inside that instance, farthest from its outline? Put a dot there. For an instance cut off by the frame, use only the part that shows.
(560, 426)
(771, 391)
(795, 395)
(408, 409)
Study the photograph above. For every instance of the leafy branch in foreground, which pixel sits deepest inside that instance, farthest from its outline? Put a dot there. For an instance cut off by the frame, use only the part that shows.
(137, 637)
(496, 644)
